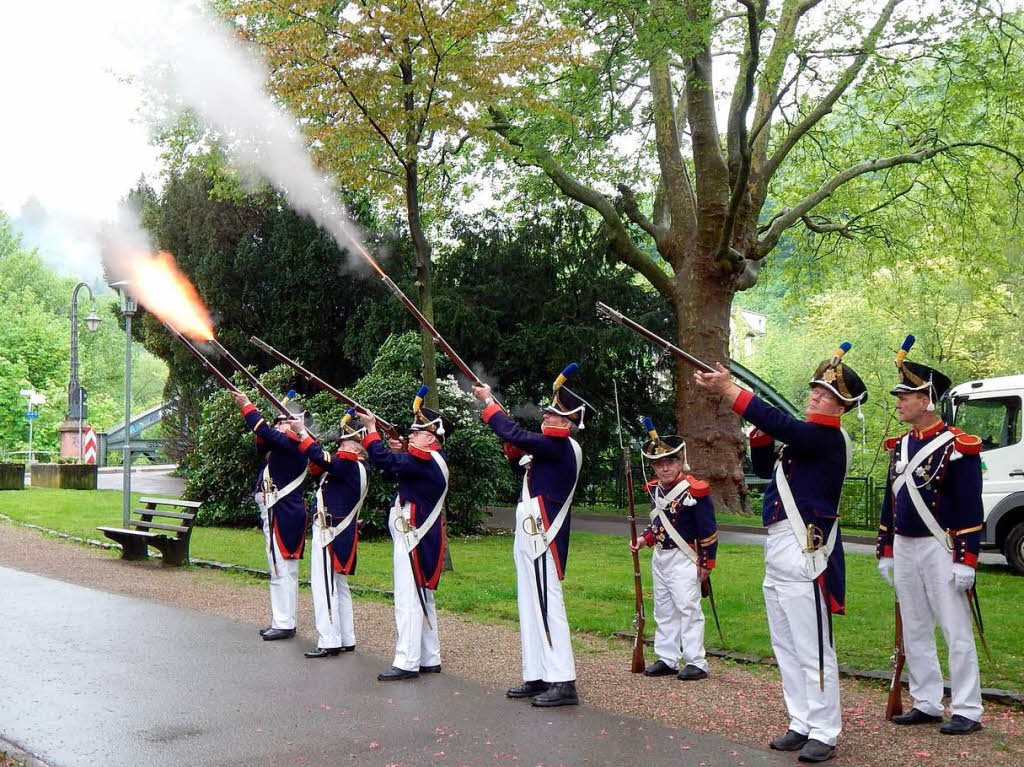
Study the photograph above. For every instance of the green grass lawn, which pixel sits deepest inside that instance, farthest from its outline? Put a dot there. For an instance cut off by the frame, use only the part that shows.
(599, 588)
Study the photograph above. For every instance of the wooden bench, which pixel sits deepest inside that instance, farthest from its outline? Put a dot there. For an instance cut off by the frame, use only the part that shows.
(136, 540)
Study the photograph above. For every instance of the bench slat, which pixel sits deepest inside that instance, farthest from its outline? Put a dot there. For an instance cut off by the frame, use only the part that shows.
(159, 526)
(159, 513)
(122, 531)
(172, 502)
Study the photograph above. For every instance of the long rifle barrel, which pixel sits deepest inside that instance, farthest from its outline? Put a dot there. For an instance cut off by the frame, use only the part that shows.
(388, 428)
(252, 379)
(221, 378)
(603, 310)
(449, 352)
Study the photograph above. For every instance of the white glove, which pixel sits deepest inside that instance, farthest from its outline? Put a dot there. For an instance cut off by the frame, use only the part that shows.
(963, 576)
(885, 567)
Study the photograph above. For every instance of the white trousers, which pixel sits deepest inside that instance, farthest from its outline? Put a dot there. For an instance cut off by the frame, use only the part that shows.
(418, 641)
(793, 625)
(284, 580)
(335, 626)
(923, 571)
(554, 662)
(677, 609)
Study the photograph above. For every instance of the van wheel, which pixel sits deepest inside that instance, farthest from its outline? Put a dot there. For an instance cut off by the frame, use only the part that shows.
(1013, 548)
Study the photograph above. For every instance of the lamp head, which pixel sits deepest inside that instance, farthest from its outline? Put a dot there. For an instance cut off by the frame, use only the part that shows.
(92, 322)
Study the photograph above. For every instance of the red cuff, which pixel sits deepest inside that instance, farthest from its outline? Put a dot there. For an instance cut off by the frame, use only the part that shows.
(740, 405)
(649, 537)
(490, 410)
(759, 438)
(512, 452)
(304, 445)
(369, 439)
(248, 408)
(314, 470)
(887, 552)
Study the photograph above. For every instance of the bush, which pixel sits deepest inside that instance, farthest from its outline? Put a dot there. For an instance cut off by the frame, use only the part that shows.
(221, 469)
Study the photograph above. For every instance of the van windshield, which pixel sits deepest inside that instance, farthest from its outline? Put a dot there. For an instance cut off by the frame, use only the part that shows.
(997, 420)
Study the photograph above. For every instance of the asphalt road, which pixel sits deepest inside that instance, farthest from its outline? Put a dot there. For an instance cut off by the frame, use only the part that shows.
(149, 482)
(93, 678)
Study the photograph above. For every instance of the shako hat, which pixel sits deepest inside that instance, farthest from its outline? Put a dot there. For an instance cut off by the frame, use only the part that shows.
(840, 379)
(657, 447)
(425, 419)
(348, 428)
(915, 377)
(564, 401)
(295, 410)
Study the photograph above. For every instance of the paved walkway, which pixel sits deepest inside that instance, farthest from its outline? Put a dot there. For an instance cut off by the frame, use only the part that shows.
(93, 678)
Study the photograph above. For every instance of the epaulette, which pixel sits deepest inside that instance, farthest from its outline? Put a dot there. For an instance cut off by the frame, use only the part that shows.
(891, 442)
(966, 444)
(698, 487)
(651, 484)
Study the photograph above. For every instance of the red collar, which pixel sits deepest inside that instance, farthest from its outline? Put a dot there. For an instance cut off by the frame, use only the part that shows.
(824, 420)
(931, 431)
(423, 453)
(346, 455)
(555, 431)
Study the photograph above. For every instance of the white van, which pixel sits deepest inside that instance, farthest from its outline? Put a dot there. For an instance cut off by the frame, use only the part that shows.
(991, 409)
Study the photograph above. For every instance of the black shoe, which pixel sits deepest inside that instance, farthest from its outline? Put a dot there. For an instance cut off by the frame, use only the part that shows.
(322, 652)
(395, 674)
(959, 725)
(558, 694)
(916, 716)
(816, 751)
(791, 741)
(660, 668)
(527, 689)
(691, 672)
(265, 629)
(431, 669)
(347, 648)
(273, 634)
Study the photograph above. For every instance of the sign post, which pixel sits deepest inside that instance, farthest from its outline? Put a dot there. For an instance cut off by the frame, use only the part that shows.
(33, 399)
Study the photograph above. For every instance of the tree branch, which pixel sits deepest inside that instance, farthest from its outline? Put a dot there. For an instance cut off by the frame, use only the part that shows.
(824, 107)
(679, 193)
(633, 212)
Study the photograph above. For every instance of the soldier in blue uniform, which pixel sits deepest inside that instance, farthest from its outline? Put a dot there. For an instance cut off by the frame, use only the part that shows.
(684, 536)
(550, 462)
(417, 531)
(278, 493)
(804, 581)
(929, 535)
(339, 498)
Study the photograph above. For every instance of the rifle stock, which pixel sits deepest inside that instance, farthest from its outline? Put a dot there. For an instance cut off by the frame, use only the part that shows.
(894, 705)
(639, 618)
(386, 428)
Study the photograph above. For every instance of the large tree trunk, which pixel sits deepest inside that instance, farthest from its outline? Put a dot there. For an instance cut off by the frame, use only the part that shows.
(714, 441)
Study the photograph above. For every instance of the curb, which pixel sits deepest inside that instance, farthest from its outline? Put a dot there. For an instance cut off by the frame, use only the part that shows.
(20, 756)
(1005, 697)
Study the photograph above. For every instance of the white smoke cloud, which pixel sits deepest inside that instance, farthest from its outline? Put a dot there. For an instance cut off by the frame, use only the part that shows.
(78, 144)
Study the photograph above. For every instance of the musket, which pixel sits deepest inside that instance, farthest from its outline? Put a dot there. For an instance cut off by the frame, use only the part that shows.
(222, 379)
(639, 618)
(251, 378)
(975, 604)
(894, 705)
(386, 428)
(603, 310)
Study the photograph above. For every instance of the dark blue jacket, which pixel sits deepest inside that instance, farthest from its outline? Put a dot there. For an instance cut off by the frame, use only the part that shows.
(950, 484)
(551, 475)
(695, 524)
(420, 484)
(342, 489)
(814, 461)
(286, 462)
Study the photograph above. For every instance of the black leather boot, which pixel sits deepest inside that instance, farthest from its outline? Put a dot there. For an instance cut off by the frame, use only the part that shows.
(959, 725)
(273, 634)
(265, 629)
(322, 652)
(395, 674)
(659, 668)
(558, 694)
(791, 741)
(431, 669)
(527, 689)
(816, 751)
(916, 716)
(691, 672)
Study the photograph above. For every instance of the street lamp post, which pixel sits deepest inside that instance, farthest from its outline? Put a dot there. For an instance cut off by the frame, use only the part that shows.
(128, 307)
(76, 394)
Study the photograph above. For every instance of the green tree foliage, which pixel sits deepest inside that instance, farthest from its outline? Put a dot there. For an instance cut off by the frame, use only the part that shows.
(35, 351)
(221, 470)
